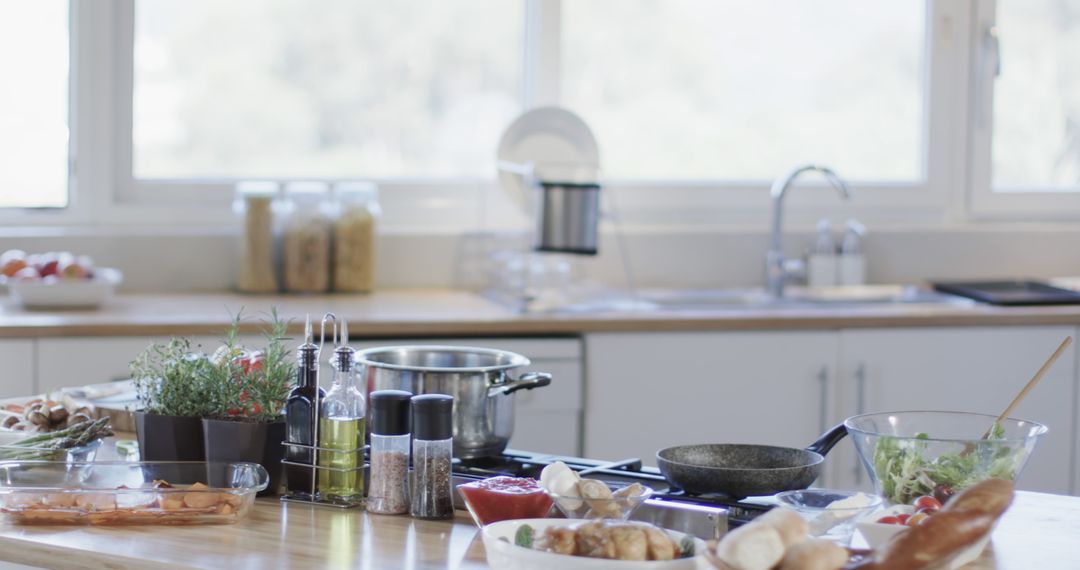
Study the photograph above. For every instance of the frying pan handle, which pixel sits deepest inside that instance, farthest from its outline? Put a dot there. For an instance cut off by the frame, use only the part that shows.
(526, 381)
(828, 440)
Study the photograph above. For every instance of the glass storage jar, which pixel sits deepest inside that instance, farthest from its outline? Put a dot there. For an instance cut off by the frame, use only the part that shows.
(253, 204)
(305, 239)
(354, 236)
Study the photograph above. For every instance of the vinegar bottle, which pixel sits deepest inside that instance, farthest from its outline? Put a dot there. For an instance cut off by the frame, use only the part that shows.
(341, 431)
(300, 417)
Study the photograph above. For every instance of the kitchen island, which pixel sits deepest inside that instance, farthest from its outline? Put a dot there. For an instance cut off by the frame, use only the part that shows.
(1039, 532)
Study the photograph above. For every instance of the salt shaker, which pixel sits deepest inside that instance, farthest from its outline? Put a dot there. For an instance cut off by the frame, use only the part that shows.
(388, 488)
(433, 442)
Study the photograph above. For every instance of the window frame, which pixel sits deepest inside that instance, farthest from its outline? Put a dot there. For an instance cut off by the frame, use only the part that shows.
(984, 203)
(103, 190)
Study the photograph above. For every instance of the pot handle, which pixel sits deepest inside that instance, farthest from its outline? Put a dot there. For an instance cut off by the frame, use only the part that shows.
(526, 381)
(828, 439)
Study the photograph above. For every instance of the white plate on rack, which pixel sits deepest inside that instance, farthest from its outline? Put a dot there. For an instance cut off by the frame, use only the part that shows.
(543, 136)
(66, 293)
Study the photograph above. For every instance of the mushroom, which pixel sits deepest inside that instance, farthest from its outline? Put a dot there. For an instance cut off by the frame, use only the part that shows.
(58, 414)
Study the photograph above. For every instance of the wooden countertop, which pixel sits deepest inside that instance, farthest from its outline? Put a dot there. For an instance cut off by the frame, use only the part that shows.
(1039, 531)
(432, 312)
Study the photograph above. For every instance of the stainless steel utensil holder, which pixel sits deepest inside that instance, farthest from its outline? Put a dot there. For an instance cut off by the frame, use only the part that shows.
(313, 498)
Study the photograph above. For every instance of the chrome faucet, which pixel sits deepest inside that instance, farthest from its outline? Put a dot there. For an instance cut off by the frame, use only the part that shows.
(779, 270)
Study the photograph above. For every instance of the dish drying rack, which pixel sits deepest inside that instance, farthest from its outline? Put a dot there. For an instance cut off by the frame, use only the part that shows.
(313, 497)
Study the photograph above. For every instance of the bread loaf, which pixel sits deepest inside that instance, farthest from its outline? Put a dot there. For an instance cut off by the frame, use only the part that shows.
(966, 519)
(792, 527)
(751, 547)
(815, 554)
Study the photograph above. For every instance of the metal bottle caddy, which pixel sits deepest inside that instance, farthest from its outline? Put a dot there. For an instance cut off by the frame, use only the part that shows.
(313, 498)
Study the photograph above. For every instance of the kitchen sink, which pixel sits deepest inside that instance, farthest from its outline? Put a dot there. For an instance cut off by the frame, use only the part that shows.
(794, 298)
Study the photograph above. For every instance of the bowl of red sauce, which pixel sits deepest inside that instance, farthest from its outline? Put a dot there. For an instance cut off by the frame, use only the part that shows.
(505, 498)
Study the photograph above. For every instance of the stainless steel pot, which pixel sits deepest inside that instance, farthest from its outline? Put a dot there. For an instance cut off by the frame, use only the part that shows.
(478, 379)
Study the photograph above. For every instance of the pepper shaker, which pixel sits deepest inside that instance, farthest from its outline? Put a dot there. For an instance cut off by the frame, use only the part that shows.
(388, 488)
(433, 443)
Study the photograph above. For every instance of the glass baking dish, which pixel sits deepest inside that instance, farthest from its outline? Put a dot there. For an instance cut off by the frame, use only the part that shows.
(128, 492)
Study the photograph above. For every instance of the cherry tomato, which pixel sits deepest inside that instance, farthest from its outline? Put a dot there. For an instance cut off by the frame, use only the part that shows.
(943, 493)
(889, 520)
(251, 361)
(903, 518)
(916, 519)
(927, 510)
(927, 502)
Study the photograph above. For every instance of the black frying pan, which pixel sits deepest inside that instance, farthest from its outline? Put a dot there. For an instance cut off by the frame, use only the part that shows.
(739, 470)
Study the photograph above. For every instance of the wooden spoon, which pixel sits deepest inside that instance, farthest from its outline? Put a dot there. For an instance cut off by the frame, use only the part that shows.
(1031, 384)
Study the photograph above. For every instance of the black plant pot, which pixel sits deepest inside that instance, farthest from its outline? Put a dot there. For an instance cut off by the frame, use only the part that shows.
(169, 438)
(247, 441)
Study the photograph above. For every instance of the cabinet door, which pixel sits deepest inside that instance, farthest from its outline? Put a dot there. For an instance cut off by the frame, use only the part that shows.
(18, 358)
(78, 361)
(646, 391)
(968, 369)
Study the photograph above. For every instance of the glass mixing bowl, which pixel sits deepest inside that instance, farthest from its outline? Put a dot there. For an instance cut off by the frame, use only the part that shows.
(909, 454)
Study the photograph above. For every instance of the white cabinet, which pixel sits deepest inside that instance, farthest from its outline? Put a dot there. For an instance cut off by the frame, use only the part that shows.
(18, 378)
(647, 391)
(977, 369)
(78, 361)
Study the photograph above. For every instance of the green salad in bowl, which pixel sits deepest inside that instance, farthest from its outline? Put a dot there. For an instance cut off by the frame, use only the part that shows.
(911, 454)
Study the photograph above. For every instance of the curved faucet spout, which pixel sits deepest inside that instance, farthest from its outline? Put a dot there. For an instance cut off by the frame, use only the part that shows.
(775, 272)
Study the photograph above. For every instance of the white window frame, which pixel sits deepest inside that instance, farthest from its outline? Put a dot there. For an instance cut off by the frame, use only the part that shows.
(985, 203)
(105, 193)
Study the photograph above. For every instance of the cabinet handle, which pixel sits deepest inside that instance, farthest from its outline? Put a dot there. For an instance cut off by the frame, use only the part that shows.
(823, 398)
(860, 408)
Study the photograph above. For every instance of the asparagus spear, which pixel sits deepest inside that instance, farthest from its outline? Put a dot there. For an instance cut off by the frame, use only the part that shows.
(44, 446)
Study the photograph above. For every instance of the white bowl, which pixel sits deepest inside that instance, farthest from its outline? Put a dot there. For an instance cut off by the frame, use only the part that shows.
(503, 554)
(66, 293)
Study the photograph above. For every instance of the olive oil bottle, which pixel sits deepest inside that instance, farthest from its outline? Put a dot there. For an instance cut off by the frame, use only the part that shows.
(341, 431)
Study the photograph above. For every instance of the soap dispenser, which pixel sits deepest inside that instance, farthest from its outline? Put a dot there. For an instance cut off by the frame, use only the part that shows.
(821, 266)
(851, 265)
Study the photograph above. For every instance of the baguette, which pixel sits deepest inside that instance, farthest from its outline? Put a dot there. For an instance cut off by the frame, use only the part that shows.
(964, 520)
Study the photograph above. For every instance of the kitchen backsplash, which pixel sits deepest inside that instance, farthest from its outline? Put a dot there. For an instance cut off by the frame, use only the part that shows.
(203, 260)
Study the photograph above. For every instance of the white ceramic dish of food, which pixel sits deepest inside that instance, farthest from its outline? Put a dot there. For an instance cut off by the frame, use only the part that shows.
(503, 554)
(66, 293)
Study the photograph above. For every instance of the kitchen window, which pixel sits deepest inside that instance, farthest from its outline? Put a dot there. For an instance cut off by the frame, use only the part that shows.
(1027, 108)
(34, 105)
(735, 90)
(697, 104)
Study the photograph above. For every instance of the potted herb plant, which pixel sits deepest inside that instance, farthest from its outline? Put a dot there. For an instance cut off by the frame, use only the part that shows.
(247, 389)
(170, 381)
(228, 406)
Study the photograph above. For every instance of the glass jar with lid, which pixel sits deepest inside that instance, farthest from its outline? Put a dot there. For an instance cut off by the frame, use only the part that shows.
(305, 237)
(354, 236)
(253, 204)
